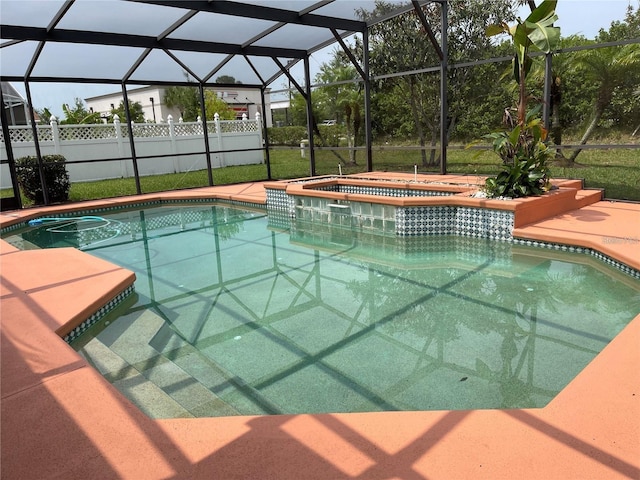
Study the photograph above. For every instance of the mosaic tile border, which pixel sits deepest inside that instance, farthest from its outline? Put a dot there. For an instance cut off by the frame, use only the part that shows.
(97, 316)
(583, 250)
(451, 220)
(388, 191)
(151, 203)
(278, 199)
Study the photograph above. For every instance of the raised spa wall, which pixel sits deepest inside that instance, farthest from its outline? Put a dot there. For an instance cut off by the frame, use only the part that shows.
(417, 208)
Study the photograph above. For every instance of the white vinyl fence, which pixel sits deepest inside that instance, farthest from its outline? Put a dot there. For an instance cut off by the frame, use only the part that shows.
(104, 141)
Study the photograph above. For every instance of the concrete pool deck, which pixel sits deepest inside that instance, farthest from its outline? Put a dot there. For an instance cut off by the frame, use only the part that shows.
(61, 419)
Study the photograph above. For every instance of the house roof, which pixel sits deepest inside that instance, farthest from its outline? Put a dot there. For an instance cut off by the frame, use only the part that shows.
(171, 41)
(10, 95)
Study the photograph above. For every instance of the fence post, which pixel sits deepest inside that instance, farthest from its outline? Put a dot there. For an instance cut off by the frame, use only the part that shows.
(118, 129)
(259, 127)
(174, 148)
(216, 119)
(55, 133)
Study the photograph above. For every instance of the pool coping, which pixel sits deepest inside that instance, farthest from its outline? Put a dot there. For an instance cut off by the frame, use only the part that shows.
(60, 418)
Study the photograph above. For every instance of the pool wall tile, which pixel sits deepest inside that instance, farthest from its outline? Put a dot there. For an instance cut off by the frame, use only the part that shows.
(97, 316)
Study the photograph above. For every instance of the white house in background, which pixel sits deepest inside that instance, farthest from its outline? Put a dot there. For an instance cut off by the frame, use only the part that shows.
(241, 99)
(15, 106)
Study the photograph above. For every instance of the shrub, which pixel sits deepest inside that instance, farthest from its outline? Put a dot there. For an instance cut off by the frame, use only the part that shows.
(287, 135)
(55, 175)
(524, 160)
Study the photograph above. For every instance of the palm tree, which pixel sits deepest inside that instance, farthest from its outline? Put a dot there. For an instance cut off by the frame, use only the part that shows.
(344, 99)
(608, 68)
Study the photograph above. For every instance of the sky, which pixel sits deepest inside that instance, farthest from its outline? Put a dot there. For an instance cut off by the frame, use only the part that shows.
(585, 17)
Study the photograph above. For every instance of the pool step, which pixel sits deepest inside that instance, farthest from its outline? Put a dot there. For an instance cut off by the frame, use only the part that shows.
(174, 382)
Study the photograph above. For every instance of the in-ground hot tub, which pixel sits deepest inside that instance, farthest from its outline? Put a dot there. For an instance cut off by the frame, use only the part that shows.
(426, 207)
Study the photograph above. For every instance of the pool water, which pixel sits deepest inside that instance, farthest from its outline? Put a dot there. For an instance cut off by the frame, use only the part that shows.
(233, 315)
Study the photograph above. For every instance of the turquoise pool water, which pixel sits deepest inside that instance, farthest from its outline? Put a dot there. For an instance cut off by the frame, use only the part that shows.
(235, 314)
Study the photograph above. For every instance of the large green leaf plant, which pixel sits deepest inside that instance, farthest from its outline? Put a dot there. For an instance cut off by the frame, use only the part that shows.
(522, 149)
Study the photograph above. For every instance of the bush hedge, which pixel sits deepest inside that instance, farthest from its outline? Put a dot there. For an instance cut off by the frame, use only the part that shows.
(293, 135)
(55, 175)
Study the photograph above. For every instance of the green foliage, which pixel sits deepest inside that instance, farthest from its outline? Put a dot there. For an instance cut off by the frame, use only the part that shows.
(184, 99)
(78, 114)
(298, 108)
(55, 175)
(527, 175)
(135, 110)
(45, 115)
(408, 106)
(287, 135)
(214, 104)
(343, 98)
(536, 32)
(522, 150)
(622, 30)
(228, 79)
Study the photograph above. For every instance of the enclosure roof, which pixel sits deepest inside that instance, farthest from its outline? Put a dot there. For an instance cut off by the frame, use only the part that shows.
(171, 41)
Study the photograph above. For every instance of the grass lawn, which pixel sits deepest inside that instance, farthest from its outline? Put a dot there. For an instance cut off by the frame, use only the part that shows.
(616, 171)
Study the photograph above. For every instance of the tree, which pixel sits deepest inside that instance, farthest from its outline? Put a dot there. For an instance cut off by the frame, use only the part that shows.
(625, 29)
(214, 104)
(399, 45)
(44, 114)
(135, 110)
(610, 69)
(402, 44)
(184, 99)
(522, 149)
(342, 100)
(228, 79)
(78, 114)
(298, 108)
(536, 32)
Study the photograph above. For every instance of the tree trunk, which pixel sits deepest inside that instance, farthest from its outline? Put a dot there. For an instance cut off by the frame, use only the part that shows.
(588, 132)
(556, 126)
(603, 100)
(522, 97)
(432, 154)
(451, 126)
(349, 135)
(316, 131)
(357, 123)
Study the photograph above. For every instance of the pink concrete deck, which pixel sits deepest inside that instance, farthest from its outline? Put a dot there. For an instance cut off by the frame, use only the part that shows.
(61, 419)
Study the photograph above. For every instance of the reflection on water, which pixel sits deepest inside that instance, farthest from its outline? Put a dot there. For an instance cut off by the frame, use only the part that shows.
(235, 316)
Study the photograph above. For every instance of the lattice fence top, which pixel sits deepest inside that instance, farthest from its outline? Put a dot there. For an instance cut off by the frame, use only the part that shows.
(86, 132)
(188, 129)
(48, 133)
(25, 134)
(238, 126)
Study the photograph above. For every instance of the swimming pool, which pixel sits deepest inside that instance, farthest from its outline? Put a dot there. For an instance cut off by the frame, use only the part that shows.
(236, 316)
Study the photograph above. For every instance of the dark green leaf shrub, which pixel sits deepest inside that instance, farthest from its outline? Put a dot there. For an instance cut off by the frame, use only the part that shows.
(524, 160)
(55, 175)
(287, 135)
